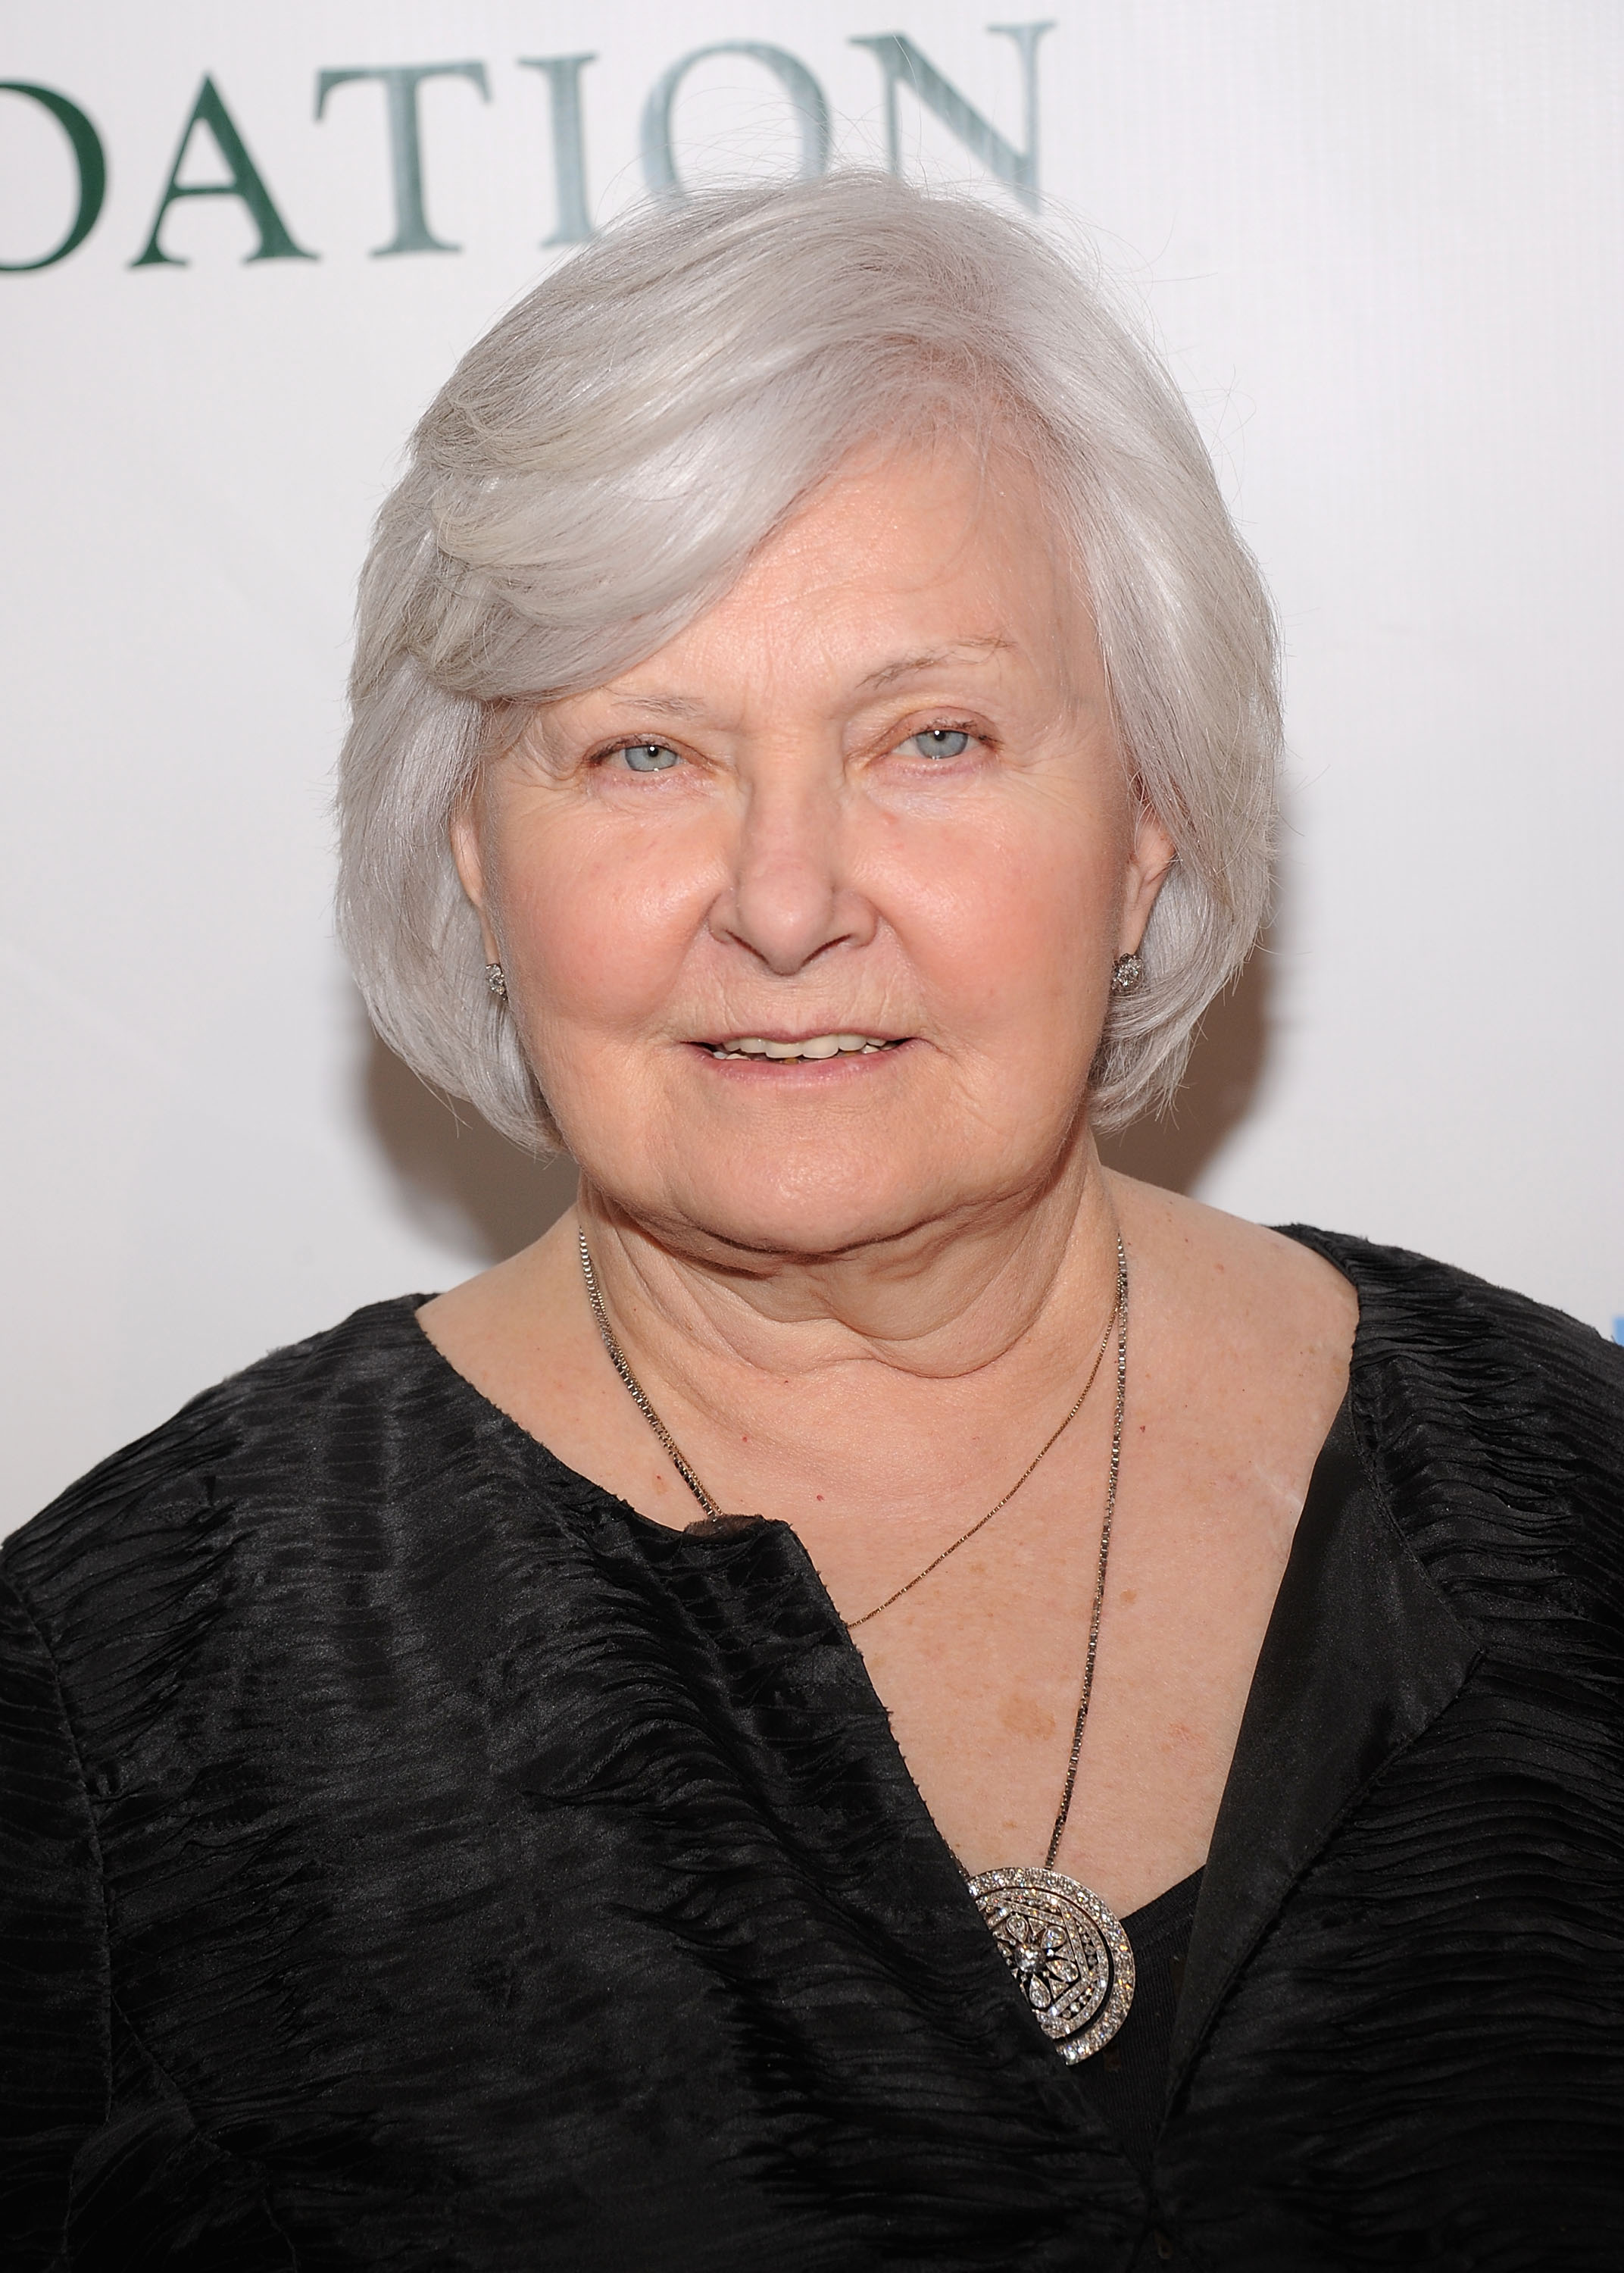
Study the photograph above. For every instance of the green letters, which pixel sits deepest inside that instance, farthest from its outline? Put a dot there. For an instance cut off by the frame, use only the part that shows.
(811, 113)
(571, 223)
(402, 82)
(902, 64)
(88, 156)
(274, 242)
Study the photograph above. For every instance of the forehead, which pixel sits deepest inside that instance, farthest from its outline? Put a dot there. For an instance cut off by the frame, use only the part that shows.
(909, 557)
(927, 516)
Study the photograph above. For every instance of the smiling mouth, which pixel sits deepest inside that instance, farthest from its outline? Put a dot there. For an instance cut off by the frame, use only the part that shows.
(811, 1046)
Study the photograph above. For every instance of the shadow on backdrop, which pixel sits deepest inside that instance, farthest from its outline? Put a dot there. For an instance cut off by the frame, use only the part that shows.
(466, 1185)
(461, 1182)
(1226, 1066)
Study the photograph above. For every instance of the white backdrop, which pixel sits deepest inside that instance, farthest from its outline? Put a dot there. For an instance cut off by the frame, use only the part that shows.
(1380, 245)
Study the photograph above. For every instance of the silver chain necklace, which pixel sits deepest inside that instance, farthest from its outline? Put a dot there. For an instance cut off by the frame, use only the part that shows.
(1066, 1947)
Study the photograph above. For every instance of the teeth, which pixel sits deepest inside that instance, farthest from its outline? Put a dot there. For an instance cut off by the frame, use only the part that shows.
(817, 1045)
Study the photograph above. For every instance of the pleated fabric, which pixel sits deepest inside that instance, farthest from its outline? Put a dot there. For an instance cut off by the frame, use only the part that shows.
(414, 1858)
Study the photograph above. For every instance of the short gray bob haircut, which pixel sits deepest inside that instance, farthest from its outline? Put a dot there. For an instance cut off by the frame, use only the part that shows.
(600, 468)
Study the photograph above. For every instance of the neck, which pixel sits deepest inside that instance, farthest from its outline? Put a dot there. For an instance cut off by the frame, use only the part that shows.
(943, 1302)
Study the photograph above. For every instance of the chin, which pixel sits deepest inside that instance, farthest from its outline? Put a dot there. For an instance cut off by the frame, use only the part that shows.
(807, 1176)
(830, 1207)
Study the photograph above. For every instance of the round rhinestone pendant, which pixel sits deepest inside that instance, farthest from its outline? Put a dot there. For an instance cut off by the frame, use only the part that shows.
(1069, 1955)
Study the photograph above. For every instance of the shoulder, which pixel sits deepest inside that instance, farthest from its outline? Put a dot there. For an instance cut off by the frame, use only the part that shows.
(1455, 1337)
(255, 1575)
(259, 1453)
(1253, 1326)
(1223, 1263)
(1493, 1428)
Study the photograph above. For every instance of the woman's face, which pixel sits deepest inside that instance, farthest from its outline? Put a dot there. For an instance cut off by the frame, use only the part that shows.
(873, 795)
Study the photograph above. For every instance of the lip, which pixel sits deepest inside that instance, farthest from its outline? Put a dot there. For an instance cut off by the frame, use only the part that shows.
(783, 1034)
(847, 1065)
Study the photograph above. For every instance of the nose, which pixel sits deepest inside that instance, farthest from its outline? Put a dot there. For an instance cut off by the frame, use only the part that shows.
(789, 898)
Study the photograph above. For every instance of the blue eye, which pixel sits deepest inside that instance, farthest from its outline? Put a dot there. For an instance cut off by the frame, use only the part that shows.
(938, 742)
(648, 757)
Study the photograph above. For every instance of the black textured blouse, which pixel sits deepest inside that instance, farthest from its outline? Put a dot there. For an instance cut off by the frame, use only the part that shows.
(414, 1858)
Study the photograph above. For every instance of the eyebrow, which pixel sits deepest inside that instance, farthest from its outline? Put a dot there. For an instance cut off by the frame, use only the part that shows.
(909, 665)
(668, 705)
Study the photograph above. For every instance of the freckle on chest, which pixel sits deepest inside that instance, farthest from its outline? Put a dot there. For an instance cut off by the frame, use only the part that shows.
(1024, 1716)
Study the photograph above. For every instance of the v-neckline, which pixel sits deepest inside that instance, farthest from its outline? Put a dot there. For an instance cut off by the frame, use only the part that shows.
(1333, 1699)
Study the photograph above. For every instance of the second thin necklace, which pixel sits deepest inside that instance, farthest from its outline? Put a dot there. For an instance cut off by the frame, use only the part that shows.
(1066, 1947)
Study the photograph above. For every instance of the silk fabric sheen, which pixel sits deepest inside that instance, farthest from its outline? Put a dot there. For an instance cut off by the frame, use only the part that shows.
(414, 1858)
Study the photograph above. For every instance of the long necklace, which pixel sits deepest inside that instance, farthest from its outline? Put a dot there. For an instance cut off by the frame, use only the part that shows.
(1066, 1947)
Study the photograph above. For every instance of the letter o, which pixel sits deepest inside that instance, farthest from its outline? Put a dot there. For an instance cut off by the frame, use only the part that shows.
(811, 110)
(89, 157)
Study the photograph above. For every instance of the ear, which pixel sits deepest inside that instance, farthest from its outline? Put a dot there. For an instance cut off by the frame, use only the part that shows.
(468, 857)
(1153, 855)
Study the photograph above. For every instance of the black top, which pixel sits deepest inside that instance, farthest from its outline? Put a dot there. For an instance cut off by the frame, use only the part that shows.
(1127, 2079)
(414, 1858)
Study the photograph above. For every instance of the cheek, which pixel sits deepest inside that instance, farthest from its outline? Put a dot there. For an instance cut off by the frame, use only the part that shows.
(597, 923)
(1013, 929)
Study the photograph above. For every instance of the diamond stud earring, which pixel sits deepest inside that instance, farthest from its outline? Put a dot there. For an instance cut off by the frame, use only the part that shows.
(495, 978)
(1126, 972)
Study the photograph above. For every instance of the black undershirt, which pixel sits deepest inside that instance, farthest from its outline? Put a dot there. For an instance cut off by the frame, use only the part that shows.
(1127, 2079)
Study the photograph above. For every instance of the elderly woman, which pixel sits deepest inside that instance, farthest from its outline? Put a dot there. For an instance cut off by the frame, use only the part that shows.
(880, 1697)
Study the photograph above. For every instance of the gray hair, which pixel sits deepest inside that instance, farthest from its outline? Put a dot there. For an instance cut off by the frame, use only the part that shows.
(601, 465)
